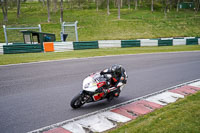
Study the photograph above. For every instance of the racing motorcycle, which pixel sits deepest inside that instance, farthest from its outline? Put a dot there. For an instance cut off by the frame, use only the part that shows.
(96, 87)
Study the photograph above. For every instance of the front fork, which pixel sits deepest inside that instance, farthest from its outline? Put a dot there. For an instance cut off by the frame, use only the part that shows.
(85, 97)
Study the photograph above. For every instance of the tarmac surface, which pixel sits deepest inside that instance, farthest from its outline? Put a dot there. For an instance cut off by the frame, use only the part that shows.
(35, 95)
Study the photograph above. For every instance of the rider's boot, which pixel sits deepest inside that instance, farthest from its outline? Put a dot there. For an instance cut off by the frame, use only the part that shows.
(117, 92)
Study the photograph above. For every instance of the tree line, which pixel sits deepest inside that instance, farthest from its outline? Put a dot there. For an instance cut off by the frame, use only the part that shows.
(166, 5)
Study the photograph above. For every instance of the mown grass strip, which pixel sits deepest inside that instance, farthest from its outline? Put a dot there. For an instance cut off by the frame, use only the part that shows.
(34, 57)
(180, 117)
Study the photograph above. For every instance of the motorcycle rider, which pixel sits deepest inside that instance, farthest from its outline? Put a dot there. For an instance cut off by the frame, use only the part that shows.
(118, 78)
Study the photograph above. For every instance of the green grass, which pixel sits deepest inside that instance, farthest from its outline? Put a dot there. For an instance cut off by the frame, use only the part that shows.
(93, 25)
(34, 57)
(180, 117)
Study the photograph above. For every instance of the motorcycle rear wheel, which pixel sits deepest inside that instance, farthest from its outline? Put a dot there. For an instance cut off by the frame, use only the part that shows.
(77, 101)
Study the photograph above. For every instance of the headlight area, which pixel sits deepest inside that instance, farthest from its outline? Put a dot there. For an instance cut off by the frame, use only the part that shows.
(89, 85)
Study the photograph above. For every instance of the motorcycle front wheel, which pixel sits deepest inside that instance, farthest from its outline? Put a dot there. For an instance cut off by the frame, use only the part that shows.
(77, 101)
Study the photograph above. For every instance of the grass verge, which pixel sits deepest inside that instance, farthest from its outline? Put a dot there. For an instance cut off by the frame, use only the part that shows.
(180, 117)
(34, 57)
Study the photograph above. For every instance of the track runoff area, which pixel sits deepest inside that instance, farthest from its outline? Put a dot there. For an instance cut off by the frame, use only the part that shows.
(109, 118)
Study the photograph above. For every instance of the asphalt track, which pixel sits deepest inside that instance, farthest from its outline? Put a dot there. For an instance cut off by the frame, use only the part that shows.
(38, 94)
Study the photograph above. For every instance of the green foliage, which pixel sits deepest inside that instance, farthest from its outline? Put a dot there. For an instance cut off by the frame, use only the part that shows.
(93, 25)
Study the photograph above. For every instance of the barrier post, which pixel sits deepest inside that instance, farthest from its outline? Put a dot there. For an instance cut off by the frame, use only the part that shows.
(5, 34)
(76, 31)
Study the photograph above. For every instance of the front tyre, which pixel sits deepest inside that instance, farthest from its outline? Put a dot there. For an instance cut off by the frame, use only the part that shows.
(77, 101)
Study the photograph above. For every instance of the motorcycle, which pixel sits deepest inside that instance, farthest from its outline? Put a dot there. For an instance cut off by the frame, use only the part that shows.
(96, 87)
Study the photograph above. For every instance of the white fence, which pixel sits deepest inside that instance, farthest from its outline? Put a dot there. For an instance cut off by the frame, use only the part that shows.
(1, 48)
(63, 46)
(109, 43)
(68, 46)
(148, 42)
(179, 41)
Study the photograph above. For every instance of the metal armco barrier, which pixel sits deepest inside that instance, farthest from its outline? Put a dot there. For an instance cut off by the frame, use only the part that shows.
(86, 45)
(165, 42)
(109, 43)
(22, 48)
(192, 41)
(130, 43)
(63, 46)
(66, 46)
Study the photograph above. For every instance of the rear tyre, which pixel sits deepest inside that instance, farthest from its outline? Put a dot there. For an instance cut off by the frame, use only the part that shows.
(77, 101)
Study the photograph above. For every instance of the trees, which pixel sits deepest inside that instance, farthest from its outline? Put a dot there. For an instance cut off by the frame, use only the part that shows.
(177, 8)
(55, 5)
(136, 4)
(43, 1)
(197, 5)
(152, 5)
(165, 6)
(61, 11)
(4, 7)
(97, 4)
(18, 8)
(48, 9)
(119, 4)
(108, 8)
(129, 4)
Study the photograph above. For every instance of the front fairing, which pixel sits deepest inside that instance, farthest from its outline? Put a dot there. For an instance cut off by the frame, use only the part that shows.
(89, 84)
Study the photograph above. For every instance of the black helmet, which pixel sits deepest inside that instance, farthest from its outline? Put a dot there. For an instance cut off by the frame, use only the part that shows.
(116, 69)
